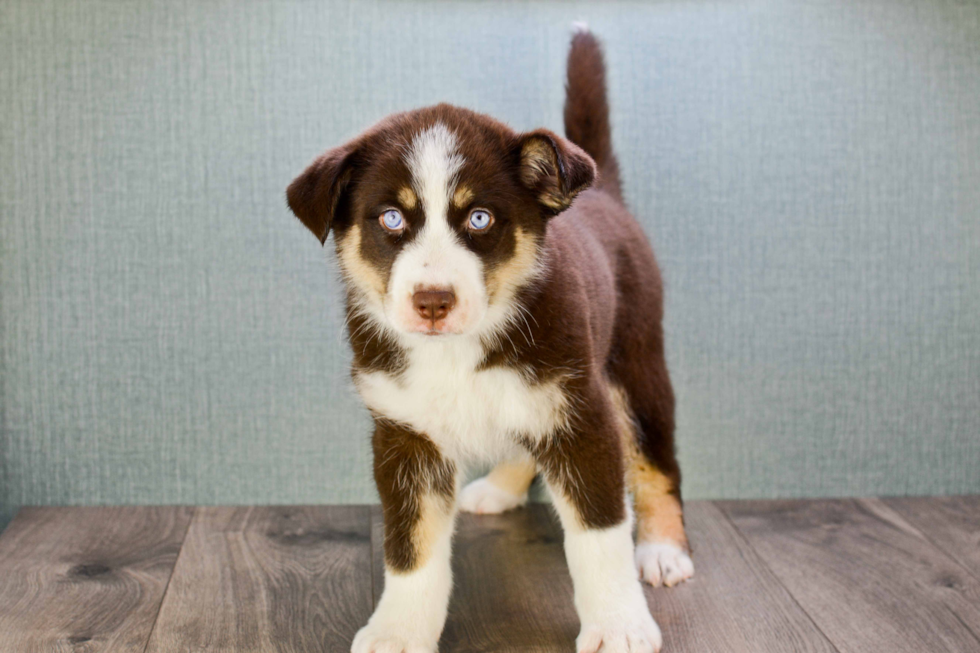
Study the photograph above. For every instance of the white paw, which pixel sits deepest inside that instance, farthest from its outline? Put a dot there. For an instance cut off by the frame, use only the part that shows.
(663, 563)
(639, 634)
(374, 639)
(484, 498)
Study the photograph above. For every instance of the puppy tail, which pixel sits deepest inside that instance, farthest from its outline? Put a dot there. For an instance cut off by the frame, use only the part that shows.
(586, 108)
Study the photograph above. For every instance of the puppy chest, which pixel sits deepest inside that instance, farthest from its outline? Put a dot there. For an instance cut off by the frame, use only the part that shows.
(464, 411)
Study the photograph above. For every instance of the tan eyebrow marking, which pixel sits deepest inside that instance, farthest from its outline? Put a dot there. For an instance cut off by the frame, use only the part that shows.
(407, 197)
(462, 196)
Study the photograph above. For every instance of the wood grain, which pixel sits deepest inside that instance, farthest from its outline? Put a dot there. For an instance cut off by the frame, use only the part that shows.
(870, 580)
(269, 579)
(86, 579)
(951, 523)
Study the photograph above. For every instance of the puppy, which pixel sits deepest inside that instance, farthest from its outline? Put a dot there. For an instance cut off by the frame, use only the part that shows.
(503, 305)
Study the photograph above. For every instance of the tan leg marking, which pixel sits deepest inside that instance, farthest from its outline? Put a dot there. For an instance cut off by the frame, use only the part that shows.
(435, 516)
(513, 476)
(659, 514)
(503, 489)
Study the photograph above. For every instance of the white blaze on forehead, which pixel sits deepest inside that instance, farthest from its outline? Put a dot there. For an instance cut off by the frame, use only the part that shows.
(434, 163)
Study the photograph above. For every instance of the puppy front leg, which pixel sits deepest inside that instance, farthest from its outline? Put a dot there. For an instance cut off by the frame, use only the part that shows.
(588, 491)
(417, 488)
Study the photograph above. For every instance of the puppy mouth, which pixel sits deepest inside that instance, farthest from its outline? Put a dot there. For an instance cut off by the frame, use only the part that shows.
(437, 330)
(430, 329)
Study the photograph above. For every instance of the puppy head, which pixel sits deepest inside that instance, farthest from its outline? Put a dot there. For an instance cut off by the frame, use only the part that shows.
(438, 215)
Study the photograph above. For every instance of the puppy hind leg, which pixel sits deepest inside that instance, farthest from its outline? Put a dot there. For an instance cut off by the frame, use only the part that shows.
(662, 552)
(662, 549)
(504, 488)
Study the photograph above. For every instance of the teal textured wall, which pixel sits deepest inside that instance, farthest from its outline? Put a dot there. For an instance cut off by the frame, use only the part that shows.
(809, 172)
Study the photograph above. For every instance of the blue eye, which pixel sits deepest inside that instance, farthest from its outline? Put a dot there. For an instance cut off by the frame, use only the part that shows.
(392, 220)
(480, 220)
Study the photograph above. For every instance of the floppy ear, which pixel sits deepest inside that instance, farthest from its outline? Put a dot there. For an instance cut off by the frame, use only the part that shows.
(555, 168)
(315, 194)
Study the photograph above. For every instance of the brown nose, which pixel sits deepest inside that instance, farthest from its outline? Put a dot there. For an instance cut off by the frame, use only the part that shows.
(434, 305)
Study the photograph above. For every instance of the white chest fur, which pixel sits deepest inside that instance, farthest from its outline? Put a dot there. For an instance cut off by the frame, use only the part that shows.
(469, 414)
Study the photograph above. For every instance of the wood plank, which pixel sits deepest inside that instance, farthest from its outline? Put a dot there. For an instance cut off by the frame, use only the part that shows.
(512, 591)
(951, 523)
(86, 579)
(870, 580)
(377, 555)
(269, 579)
(734, 603)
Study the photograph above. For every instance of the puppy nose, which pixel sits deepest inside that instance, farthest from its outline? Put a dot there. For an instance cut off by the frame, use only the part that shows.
(434, 305)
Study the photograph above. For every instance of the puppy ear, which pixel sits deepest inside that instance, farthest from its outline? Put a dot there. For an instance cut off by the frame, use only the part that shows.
(315, 194)
(555, 168)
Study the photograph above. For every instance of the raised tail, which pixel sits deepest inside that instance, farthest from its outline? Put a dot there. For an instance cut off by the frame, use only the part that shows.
(586, 108)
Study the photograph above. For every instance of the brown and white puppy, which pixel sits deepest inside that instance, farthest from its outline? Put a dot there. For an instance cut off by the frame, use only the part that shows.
(503, 305)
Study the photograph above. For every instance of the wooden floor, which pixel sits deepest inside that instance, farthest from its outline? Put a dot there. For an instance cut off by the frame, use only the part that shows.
(869, 575)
